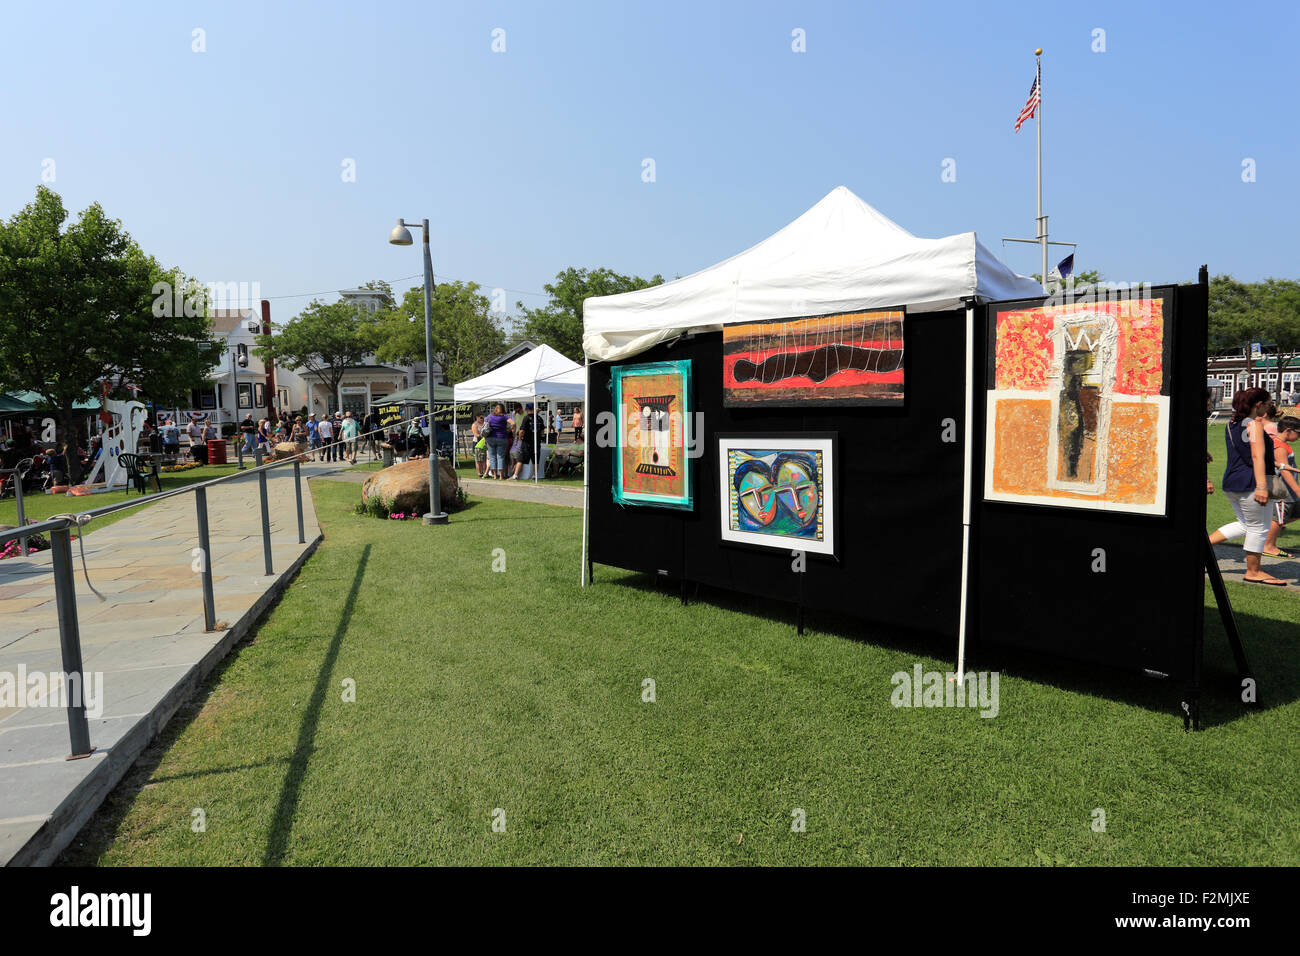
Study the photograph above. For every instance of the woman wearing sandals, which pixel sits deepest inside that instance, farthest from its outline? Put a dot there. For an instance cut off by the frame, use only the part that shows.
(1245, 481)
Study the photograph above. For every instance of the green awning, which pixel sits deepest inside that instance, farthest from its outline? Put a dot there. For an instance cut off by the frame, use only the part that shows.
(32, 401)
(9, 404)
(418, 395)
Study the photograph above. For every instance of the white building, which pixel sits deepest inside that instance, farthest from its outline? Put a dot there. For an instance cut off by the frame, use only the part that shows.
(363, 385)
(233, 391)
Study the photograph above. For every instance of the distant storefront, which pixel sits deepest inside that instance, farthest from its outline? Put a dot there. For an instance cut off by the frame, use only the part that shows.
(1237, 371)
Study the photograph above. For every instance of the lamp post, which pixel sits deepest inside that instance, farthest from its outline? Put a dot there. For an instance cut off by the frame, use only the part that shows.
(401, 236)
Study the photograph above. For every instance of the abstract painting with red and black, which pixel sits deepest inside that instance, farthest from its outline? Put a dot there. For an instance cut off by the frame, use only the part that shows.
(849, 358)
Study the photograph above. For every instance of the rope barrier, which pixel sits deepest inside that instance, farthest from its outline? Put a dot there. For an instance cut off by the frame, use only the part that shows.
(81, 520)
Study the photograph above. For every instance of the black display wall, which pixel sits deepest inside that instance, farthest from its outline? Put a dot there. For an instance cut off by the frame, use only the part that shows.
(1034, 585)
(899, 493)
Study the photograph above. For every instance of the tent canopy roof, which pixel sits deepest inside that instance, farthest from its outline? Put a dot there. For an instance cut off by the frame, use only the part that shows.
(543, 372)
(34, 401)
(839, 256)
(9, 404)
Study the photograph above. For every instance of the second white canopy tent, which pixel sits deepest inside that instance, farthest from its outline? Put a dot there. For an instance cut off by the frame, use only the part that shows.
(542, 374)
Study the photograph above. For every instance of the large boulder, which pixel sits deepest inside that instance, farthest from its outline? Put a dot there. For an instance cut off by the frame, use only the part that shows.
(405, 487)
(287, 449)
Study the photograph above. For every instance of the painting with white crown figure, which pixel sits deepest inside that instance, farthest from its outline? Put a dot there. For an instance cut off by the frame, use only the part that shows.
(1078, 405)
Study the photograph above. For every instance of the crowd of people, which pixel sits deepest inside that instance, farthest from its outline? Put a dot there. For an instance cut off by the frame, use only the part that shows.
(504, 441)
(1259, 481)
(328, 437)
(43, 466)
(336, 436)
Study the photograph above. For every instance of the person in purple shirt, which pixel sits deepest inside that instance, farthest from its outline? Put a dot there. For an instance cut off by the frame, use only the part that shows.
(498, 430)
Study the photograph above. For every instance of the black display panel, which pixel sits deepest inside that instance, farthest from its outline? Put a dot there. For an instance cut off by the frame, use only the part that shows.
(899, 493)
(1036, 579)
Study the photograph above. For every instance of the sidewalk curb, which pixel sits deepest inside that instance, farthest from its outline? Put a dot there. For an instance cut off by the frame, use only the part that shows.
(54, 836)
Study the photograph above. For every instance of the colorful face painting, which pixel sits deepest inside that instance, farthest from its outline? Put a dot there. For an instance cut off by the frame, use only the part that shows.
(854, 358)
(777, 492)
(1078, 408)
(653, 405)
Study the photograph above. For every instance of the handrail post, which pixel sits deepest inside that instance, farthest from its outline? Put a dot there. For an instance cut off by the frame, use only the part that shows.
(205, 560)
(266, 516)
(65, 598)
(297, 488)
(18, 499)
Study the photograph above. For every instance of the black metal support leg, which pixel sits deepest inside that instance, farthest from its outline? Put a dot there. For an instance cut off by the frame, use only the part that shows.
(1244, 672)
(205, 559)
(65, 599)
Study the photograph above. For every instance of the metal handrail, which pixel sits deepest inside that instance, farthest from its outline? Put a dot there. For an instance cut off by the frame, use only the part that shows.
(65, 589)
(60, 527)
(62, 521)
(85, 517)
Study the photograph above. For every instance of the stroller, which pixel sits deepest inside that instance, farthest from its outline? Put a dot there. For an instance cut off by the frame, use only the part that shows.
(565, 463)
(34, 479)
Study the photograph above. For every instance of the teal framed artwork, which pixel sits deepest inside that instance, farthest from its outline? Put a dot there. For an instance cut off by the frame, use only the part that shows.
(652, 461)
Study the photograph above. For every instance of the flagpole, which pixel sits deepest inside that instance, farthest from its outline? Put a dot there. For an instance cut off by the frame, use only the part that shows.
(1042, 225)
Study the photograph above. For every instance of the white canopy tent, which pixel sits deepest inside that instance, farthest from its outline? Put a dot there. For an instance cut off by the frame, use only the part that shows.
(543, 371)
(541, 374)
(839, 256)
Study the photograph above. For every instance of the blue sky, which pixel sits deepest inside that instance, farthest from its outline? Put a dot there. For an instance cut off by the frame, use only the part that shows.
(227, 163)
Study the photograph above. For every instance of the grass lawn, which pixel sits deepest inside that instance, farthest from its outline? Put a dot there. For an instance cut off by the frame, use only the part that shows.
(39, 507)
(516, 691)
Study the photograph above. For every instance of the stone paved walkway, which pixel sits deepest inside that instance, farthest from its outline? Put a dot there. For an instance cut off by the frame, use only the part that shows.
(1232, 563)
(146, 641)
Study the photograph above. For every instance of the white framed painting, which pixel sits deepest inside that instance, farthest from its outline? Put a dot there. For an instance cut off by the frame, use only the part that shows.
(778, 491)
(1079, 404)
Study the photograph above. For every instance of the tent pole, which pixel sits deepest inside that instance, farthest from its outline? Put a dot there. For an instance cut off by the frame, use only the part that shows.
(586, 464)
(966, 488)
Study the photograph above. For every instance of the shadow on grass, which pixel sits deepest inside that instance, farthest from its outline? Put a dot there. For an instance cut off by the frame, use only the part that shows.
(537, 517)
(1270, 648)
(291, 790)
(101, 830)
(216, 770)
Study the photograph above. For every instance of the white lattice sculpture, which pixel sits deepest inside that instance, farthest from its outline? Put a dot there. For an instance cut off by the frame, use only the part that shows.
(122, 436)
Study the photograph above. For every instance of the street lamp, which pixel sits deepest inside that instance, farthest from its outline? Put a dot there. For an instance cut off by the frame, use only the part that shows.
(401, 236)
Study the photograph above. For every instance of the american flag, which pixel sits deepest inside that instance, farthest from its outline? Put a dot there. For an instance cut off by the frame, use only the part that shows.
(1031, 104)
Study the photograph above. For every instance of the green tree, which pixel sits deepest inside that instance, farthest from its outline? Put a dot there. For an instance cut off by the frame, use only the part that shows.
(378, 285)
(465, 334)
(84, 305)
(1232, 314)
(323, 339)
(1267, 312)
(1278, 302)
(559, 322)
(1077, 281)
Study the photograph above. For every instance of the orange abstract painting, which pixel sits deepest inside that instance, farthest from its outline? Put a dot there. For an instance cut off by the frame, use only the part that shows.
(1078, 405)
